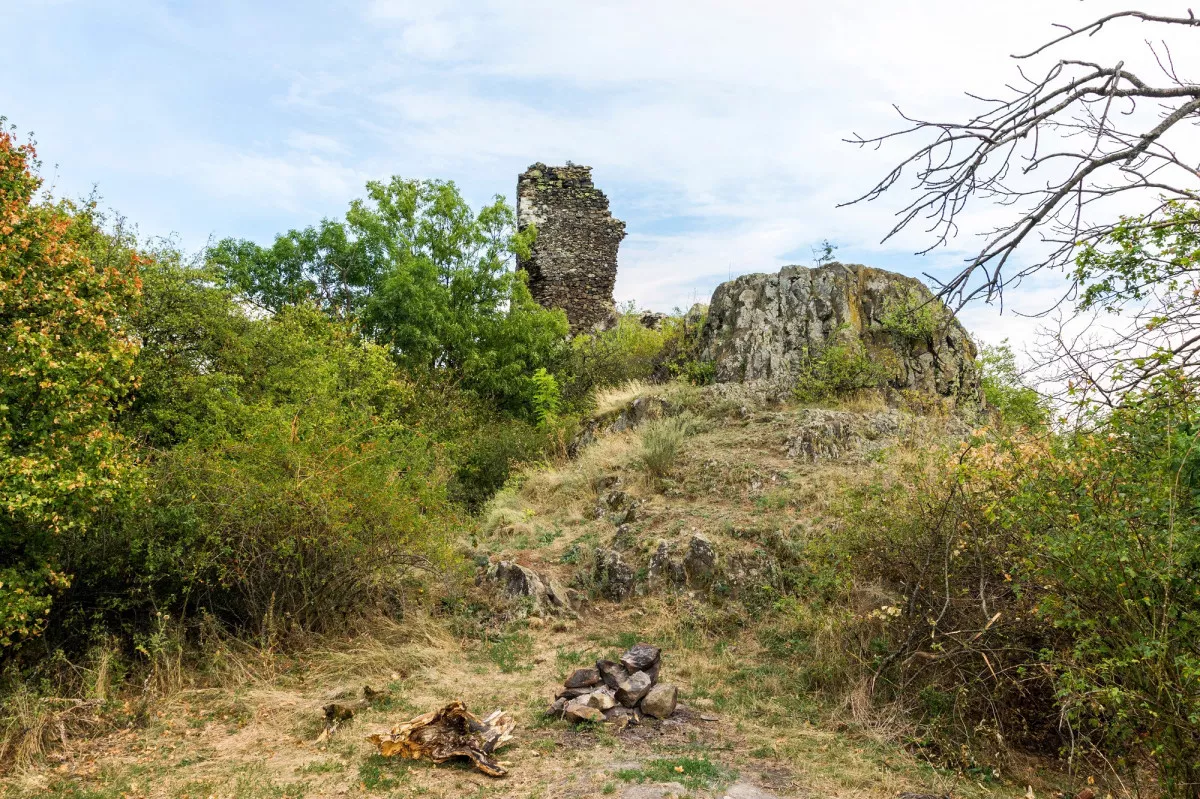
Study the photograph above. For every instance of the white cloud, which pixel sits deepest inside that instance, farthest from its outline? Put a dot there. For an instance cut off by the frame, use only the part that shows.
(727, 115)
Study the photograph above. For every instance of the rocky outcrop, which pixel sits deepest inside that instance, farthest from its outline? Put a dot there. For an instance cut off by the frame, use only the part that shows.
(766, 327)
(613, 577)
(544, 593)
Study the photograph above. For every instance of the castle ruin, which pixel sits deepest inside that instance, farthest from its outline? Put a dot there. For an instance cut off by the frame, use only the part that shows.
(573, 264)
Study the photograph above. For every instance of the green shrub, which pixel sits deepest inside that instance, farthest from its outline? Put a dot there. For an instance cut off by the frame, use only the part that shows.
(840, 370)
(487, 456)
(1034, 579)
(626, 352)
(917, 315)
(308, 497)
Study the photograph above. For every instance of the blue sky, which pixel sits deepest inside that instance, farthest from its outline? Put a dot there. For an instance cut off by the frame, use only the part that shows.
(714, 127)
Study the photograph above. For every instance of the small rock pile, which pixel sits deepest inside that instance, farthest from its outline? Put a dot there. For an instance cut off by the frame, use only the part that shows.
(620, 693)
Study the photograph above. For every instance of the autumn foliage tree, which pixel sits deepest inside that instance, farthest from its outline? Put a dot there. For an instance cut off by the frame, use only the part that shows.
(66, 366)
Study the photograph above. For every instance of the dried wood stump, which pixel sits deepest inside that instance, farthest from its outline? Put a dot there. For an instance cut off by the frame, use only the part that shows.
(450, 732)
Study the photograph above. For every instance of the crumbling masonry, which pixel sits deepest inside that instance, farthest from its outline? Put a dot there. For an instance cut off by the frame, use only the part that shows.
(573, 265)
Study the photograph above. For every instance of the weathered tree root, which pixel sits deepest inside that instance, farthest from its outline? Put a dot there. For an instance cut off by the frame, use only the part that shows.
(450, 732)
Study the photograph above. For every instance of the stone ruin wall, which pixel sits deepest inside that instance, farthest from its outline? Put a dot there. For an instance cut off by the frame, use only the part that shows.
(573, 264)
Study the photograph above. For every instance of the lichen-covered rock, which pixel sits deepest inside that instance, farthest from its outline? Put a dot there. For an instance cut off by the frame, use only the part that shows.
(652, 319)
(612, 575)
(611, 673)
(517, 580)
(700, 562)
(573, 264)
(765, 327)
(640, 657)
(665, 567)
(545, 593)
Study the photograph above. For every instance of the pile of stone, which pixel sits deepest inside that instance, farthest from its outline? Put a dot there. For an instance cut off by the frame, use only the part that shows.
(620, 693)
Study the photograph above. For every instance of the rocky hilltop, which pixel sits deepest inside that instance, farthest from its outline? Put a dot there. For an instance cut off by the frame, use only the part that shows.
(767, 327)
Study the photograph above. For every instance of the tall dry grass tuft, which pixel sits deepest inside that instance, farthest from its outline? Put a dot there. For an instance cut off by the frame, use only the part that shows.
(30, 725)
(610, 400)
(662, 443)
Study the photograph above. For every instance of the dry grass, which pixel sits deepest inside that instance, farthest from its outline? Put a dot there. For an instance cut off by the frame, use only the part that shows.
(610, 400)
(32, 725)
(507, 511)
(252, 731)
(571, 484)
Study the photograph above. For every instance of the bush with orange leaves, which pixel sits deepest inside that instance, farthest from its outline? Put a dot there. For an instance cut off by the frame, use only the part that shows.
(66, 367)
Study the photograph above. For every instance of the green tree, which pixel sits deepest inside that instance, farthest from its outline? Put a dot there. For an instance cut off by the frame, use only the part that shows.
(1004, 389)
(66, 367)
(424, 275)
(449, 297)
(323, 265)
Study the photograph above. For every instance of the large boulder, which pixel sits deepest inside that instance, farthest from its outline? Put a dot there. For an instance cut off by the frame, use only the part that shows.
(765, 327)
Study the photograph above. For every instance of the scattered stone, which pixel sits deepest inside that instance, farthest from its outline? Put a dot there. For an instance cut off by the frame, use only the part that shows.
(579, 711)
(640, 657)
(583, 678)
(631, 689)
(660, 701)
(556, 709)
(605, 482)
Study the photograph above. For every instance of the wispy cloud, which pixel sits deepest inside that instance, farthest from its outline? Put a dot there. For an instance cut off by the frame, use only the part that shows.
(716, 128)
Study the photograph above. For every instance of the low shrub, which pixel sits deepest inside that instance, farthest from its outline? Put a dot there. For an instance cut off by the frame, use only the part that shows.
(627, 352)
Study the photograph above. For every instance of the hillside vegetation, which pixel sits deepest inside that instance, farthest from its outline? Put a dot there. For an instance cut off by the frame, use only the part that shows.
(238, 485)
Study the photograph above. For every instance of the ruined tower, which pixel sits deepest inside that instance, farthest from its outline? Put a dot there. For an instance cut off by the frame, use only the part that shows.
(573, 265)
